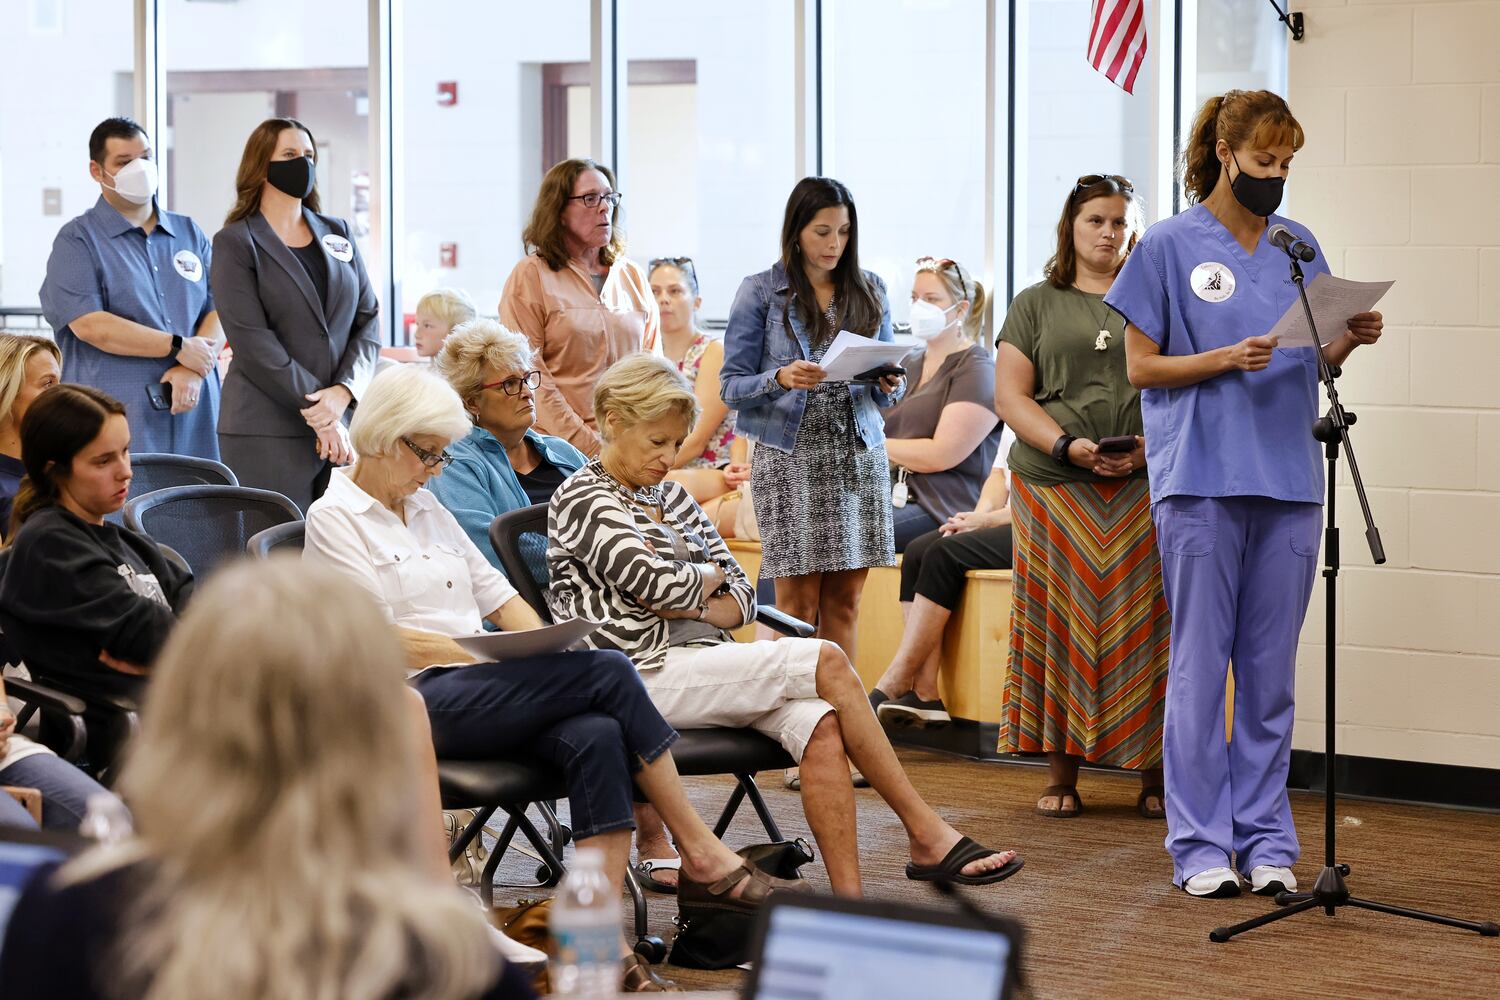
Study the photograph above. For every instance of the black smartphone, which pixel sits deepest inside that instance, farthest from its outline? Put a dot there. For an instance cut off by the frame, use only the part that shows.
(1116, 445)
(879, 372)
(160, 394)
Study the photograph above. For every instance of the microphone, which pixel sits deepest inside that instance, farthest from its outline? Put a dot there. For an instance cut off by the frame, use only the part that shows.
(1292, 244)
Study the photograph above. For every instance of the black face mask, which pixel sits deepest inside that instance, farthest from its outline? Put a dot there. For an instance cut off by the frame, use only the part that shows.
(1260, 195)
(293, 178)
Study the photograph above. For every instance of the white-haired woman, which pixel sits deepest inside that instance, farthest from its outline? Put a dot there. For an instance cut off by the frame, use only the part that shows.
(502, 463)
(279, 851)
(585, 712)
(632, 549)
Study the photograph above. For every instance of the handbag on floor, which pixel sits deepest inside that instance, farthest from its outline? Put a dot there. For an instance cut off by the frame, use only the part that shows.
(718, 936)
(529, 923)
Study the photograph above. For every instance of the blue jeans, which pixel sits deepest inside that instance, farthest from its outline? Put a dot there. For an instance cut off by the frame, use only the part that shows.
(586, 713)
(65, 792)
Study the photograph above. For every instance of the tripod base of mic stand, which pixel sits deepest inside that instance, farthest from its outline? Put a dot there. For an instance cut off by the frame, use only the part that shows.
(1331, 892)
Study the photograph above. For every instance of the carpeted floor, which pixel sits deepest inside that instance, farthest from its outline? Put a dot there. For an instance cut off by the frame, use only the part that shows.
(1104, 920)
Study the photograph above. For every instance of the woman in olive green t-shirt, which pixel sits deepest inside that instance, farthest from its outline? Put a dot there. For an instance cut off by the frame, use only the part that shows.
(1089, 624)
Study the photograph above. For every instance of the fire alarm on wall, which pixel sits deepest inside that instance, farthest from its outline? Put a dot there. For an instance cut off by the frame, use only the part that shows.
(447, 94)
(447, 255)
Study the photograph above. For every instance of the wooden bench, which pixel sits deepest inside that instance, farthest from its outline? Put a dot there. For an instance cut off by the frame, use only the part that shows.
(976, 647)
(972, 676)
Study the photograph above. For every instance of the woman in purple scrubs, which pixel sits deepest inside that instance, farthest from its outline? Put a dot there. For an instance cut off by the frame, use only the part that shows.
(1236, 486)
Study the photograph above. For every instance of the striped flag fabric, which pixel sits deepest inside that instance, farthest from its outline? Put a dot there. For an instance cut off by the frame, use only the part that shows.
(1117, 40)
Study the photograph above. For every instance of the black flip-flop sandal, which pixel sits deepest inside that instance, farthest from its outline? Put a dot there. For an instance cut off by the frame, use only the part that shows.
(1061, 792)
(1146, 812)
(643, 870)
(950, 869)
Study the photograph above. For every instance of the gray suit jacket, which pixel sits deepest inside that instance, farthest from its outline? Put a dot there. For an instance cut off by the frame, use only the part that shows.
(286, 342)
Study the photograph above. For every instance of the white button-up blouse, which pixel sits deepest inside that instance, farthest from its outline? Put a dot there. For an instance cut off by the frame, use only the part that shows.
(424, 574)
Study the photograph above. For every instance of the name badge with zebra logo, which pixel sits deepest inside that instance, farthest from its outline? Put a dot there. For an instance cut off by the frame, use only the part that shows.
(1212, 282)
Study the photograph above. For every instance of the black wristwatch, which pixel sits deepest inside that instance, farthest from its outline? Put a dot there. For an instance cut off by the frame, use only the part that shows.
(176, 346)
(1060, 449)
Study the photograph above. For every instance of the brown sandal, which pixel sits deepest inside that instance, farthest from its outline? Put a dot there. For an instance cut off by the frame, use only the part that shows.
(638, 977)
(1061, 792)
(691, 892)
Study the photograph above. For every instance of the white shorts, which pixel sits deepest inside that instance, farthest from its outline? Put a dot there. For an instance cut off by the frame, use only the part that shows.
(769, 686)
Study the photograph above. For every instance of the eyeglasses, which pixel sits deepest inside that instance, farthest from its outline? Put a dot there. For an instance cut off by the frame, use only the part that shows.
(512, 386)
(593, 198)
(1089, 180)
(430, 460)
(683, 264)
(943, 264)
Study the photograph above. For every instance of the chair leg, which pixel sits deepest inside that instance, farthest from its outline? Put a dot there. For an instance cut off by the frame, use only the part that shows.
(559, 834)
(637, 903)
(731, 807)
(520, 821)
(752, 792)
(467, 834)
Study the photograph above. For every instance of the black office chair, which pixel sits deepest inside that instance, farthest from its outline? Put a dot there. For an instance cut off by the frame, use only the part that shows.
(490, 785)
(152, 471)
(286, 537)
(208, 524)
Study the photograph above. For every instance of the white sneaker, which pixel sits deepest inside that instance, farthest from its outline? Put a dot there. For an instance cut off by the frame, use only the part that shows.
(1268, 880)
(1216, 883)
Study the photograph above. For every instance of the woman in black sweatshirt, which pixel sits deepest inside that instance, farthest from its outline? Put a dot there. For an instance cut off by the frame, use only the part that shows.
(83, 601)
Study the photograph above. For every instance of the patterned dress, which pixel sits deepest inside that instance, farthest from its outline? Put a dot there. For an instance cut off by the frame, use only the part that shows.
(825, 506)
(716, 452)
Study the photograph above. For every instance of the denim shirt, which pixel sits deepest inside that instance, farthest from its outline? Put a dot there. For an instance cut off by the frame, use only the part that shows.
(757, 342)
(480, 485)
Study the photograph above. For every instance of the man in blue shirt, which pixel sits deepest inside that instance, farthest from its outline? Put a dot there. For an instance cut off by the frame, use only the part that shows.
(127, 294)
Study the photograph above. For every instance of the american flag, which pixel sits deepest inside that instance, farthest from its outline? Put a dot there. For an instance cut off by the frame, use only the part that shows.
(1117, 40)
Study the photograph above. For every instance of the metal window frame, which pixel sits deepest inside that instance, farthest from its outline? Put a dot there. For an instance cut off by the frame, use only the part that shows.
(1173, 59)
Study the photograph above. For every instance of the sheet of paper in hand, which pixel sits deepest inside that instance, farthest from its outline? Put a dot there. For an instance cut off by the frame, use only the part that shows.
(1333, 301)
(850, 354)
(536, 642)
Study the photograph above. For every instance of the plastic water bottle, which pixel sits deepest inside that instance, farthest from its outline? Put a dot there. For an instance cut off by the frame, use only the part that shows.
(586, 930)
(105, 819)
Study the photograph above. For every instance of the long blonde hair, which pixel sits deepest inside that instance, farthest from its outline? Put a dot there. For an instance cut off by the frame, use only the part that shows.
(15, 350)
(275, 787)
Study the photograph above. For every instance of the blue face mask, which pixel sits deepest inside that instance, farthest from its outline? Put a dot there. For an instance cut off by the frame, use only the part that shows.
(1260, 195)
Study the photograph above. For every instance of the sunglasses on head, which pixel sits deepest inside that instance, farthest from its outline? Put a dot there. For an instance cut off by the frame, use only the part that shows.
(681, 263)
(943, 264)
(1089, 180)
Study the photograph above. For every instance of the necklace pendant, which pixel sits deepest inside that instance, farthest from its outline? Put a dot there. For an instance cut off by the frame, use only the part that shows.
(1101, 342)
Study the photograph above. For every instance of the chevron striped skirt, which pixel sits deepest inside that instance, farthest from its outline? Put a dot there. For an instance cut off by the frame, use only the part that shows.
(1089, 626)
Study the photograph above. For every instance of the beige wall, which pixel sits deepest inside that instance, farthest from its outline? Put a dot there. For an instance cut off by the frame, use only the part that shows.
(1400, 179)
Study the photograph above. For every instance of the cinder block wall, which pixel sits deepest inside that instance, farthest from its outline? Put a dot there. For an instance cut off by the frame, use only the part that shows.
(1400, 179)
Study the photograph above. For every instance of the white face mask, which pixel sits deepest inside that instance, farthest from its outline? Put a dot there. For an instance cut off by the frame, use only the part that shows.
(928, 321)
(135, 181)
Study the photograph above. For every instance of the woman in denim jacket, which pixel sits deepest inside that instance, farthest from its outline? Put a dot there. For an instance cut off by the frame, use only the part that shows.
(820, 481)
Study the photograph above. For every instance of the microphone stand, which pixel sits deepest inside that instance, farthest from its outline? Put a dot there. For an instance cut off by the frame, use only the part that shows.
(1330, 891)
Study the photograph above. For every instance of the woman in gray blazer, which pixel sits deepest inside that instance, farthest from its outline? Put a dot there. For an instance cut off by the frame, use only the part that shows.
(300, 315)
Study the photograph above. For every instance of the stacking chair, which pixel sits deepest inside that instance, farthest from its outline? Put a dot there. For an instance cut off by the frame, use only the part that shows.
(208, 524)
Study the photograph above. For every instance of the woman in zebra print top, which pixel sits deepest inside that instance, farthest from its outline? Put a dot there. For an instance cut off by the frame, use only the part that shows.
(633, 549)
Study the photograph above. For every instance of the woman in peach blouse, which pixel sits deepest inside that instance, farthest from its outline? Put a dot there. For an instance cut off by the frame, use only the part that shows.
(577, 298)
